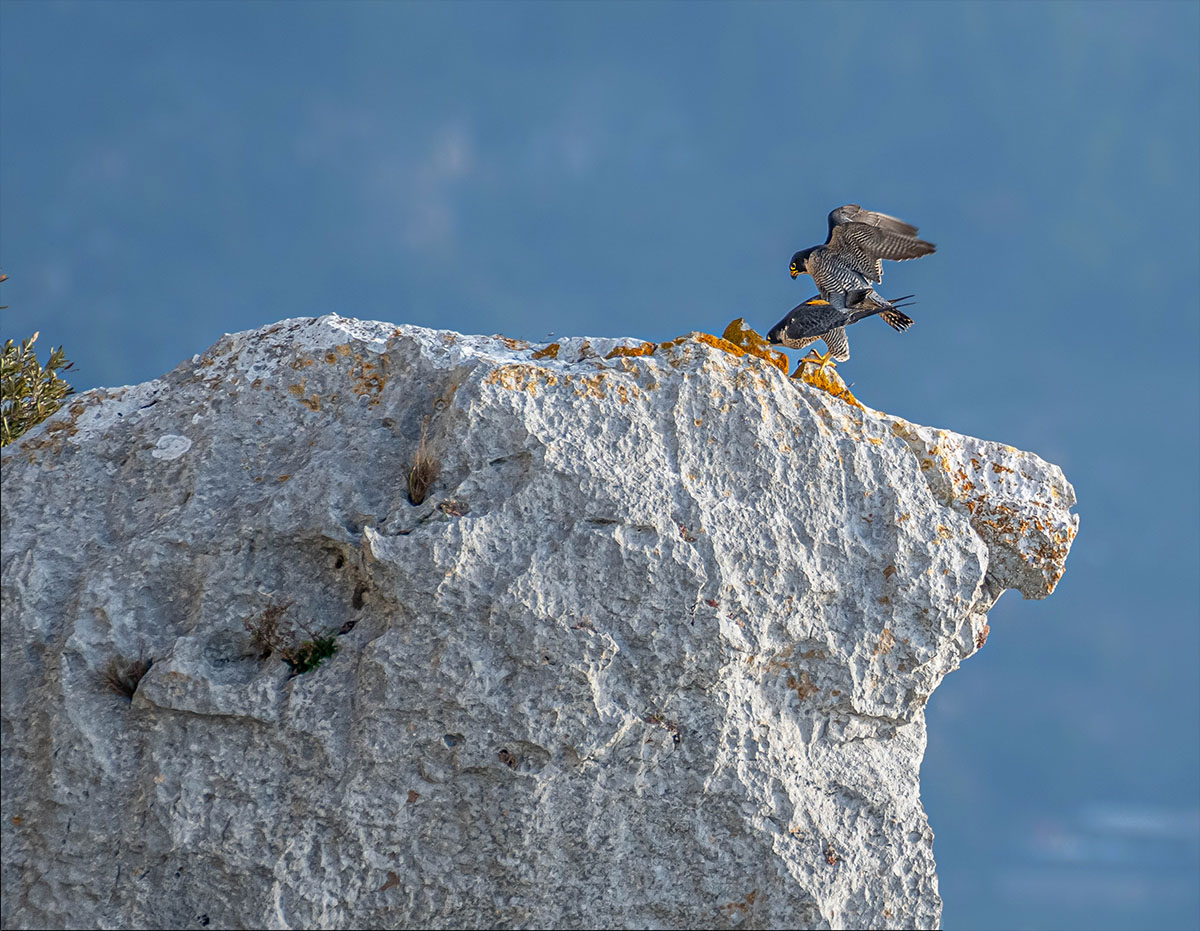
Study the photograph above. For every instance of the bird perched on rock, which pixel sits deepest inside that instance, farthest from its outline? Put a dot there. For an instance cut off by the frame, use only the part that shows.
(852, 256)
(818, 319)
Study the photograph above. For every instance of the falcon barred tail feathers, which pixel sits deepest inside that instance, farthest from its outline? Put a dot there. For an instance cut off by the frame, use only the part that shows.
(896, 320)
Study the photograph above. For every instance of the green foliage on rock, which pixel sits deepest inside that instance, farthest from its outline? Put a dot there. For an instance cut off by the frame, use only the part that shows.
(311, 653)
(29, 392)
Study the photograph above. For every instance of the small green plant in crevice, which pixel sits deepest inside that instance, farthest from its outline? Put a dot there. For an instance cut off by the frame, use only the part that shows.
(310, 654)
(123, 676)
(270, 635)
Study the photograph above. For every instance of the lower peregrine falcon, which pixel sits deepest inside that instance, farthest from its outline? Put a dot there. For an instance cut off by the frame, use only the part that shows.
(817, 319)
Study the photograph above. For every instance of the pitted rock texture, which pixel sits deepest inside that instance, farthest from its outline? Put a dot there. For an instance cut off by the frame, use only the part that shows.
(653, 651)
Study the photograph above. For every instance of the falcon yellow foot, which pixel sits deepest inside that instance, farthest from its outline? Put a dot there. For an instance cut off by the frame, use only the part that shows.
(820, 360)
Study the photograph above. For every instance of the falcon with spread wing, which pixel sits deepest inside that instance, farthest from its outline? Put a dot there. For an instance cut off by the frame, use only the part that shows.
(818, 319)
(852, 257)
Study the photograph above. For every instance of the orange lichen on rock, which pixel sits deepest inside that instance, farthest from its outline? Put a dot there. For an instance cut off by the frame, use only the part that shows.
(802, 686)
(828, 381)
(312, 402)
(520, 377)
(511, 343)
(747, 342)
(646, 349)
(550, 352)
(718, 343)
(588, 386)
(748, 339)
(367, 380)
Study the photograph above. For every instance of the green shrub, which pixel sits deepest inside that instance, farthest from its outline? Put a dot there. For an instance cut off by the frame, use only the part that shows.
(310, 654)
(29, 393)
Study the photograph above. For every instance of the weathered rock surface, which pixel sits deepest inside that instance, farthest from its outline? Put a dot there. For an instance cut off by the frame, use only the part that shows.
(653, 652)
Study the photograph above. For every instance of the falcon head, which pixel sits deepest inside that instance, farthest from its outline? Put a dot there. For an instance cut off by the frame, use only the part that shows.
(798, 260)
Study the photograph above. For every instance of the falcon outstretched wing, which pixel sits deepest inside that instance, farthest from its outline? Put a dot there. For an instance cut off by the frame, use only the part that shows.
(852, 213)
(864, 247)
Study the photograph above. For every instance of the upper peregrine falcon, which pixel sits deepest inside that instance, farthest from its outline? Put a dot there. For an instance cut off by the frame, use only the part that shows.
(818, 319)
(852, 256)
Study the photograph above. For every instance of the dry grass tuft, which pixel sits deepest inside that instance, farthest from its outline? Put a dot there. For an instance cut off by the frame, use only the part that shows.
(271, 636)
(122, 676)
(424, 471)
(266, 629)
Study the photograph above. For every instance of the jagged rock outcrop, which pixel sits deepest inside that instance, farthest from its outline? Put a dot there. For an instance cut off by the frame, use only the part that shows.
(653, 650)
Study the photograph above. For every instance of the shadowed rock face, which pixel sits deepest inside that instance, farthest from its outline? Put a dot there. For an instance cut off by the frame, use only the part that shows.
(653, 650)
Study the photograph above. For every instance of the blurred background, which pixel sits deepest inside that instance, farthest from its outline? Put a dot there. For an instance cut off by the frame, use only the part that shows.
(171, 171)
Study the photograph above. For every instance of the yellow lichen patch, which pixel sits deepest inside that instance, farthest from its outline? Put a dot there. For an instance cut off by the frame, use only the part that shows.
(313, 403)
(368, 382)
(550, 352)
(887, 640)
(802, 686)
(284, 477)
(510, 342)
(748, 339)
(828, 381)
(742, 907)
(624, 393)
(646, 349)
(301, 362)
(588, 386)
(718, 343)
(520, 377)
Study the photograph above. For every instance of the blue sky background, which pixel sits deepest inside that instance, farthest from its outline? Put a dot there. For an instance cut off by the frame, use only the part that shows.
(171, 171)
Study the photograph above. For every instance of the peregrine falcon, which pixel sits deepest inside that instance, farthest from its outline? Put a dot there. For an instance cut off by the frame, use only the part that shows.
(852, 256)
(818, 319)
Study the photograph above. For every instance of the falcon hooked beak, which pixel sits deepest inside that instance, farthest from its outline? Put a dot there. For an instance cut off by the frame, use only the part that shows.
(795, 271)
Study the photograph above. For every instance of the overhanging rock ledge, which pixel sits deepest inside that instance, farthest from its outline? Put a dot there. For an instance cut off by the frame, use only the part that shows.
(653, 651)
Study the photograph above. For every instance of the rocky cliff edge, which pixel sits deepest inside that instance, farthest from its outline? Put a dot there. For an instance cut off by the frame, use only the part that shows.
(651, 650)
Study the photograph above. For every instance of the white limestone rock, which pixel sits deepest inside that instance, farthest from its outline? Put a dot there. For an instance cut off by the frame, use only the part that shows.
(653, 652)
